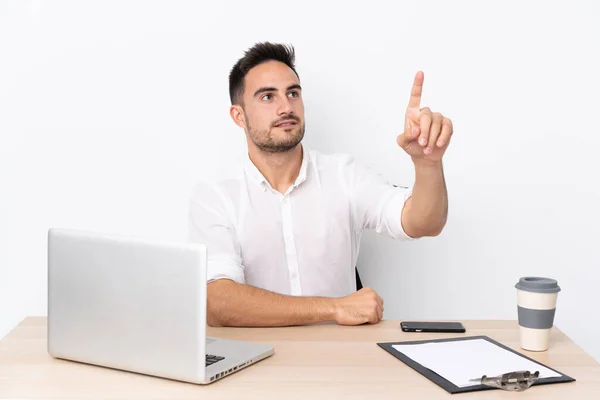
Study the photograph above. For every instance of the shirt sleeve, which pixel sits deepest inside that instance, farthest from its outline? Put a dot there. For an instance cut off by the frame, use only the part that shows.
(376, 203)
(211, 224)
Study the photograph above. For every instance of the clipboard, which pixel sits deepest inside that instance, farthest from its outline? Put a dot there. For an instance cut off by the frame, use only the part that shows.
(451, 387)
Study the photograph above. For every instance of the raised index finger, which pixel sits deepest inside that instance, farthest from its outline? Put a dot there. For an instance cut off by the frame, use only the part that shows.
(417, 89)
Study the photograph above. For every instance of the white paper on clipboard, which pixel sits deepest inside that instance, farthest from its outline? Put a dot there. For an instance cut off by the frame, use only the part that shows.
(462, 360)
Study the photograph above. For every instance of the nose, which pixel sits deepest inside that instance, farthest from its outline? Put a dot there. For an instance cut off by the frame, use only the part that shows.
(285, 106)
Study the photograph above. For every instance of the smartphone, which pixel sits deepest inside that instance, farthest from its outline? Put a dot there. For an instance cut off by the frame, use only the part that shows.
(417, 326)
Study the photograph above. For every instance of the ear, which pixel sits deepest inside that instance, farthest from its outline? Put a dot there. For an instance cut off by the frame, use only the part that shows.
(237, 115)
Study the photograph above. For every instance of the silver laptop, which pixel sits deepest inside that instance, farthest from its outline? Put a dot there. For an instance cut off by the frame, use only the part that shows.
(136, 305)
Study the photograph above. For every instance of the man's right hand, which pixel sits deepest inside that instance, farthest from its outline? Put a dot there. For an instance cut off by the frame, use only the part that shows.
(358, 308)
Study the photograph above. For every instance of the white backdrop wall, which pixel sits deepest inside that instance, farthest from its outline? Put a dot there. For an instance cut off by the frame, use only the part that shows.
(111, 110)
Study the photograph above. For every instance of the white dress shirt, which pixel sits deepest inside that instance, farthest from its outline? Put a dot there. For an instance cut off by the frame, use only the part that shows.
(304, 242)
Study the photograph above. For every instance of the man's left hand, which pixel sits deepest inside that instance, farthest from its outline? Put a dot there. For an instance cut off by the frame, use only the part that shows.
(426, 134)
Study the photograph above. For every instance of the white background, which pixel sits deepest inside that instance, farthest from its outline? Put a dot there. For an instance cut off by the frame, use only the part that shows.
(110, 111)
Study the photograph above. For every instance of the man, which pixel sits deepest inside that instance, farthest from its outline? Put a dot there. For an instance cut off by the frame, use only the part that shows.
(283, 233)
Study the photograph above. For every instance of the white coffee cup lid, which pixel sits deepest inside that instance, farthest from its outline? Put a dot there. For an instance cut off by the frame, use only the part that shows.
(538, 284)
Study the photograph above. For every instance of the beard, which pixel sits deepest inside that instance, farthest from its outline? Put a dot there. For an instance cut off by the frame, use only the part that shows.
(267, 141)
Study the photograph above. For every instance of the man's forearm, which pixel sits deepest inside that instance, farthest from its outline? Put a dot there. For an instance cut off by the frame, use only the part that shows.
(234, 304)
(425, 213)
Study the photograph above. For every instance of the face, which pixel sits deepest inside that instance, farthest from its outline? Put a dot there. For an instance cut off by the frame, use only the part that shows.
(273, 112)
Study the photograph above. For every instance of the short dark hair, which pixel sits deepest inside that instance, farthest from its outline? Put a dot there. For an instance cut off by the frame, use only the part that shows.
(258, 54)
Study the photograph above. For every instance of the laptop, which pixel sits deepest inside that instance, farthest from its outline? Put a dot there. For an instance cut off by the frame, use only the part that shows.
(136, 305)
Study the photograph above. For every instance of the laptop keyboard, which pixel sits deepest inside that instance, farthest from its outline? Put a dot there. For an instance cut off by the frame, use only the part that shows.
(210, 359)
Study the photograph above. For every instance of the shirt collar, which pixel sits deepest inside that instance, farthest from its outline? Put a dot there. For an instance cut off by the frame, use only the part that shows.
(258, 177)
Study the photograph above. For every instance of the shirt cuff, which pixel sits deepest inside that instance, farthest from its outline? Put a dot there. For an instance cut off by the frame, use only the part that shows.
(394, 215)
(219, 269)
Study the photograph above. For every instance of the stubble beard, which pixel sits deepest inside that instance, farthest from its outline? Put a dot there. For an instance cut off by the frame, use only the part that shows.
(265, 140)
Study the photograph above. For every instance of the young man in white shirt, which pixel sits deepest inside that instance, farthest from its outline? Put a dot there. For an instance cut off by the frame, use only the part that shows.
(283, 233)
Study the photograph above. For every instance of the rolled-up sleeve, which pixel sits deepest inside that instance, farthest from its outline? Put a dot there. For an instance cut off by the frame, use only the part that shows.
(211, 224)
(377, 204)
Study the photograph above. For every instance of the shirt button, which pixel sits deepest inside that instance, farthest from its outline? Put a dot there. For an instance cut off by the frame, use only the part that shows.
(285, 200)
(294, 275)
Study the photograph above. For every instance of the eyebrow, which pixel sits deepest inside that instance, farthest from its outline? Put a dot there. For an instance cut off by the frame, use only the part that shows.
(273, 89)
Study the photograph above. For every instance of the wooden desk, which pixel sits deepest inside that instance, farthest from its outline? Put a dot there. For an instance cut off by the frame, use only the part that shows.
(310, 362)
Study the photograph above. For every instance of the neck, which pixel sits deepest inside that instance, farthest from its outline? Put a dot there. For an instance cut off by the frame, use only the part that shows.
(279, 169)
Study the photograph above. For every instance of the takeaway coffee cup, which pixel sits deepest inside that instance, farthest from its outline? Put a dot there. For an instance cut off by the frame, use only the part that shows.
(536, 305)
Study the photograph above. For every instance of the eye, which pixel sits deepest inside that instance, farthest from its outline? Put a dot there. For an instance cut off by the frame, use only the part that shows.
(267, 97)
(294, 93)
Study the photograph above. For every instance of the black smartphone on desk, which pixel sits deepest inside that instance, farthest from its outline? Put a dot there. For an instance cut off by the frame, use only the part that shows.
(431, 326)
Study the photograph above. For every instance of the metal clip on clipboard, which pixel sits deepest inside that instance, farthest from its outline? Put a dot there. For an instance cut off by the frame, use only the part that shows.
(516, 381)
